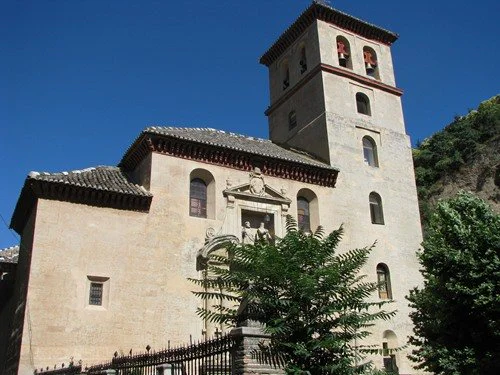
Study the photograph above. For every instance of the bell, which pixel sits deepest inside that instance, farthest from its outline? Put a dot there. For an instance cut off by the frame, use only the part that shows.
(369, 69)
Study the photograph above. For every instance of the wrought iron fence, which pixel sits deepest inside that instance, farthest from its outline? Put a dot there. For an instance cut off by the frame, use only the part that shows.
(203, 358)
(211, 357)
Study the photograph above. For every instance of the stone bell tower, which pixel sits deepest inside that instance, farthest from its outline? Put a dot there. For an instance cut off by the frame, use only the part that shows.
(333, 94)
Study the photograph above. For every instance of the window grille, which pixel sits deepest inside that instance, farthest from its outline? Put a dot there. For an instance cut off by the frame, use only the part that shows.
(384, 282)
(370, 152)
(95, 295)
(198, 198)
(376, 212)
(303, 214)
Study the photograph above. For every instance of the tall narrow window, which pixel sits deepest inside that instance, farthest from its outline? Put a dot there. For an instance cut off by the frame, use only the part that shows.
(384, 282)
(95, 294)
(371, 63)
(376, 212)
(389, 352)
(292, 120)
(363, 104)
(303, 60)
(198, 198)
(303, 215)
(286, 75)
(343, 52)
(370, 152)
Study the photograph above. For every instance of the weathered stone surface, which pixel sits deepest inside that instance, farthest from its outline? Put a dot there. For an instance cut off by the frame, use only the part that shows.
(146, 257)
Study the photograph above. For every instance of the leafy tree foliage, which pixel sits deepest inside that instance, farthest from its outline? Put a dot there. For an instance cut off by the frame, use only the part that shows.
(457, 312)
(308, 297)
(457, 144)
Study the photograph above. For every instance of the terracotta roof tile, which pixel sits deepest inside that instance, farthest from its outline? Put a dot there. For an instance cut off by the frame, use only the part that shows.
(252, 145)
(321, 11)
(104, 178)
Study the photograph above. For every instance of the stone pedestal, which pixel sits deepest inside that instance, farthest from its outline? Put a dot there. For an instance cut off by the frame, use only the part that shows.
(248, 358)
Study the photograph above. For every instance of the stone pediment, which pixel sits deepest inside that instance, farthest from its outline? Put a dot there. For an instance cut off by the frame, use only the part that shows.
(258, 191)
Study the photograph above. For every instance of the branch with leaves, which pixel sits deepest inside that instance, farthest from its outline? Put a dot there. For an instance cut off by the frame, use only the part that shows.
(310, 298)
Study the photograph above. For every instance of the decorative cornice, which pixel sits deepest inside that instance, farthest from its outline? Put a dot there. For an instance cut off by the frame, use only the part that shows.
(343, 72)
(243, 192)
(325, 13)
(372, 82)
(230, 158)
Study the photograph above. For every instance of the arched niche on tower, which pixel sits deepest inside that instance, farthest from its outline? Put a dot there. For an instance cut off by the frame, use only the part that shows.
(344, 52)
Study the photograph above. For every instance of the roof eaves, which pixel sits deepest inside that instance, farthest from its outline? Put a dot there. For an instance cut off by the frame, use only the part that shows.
(129, 159)
(328, 14)
(36, 186)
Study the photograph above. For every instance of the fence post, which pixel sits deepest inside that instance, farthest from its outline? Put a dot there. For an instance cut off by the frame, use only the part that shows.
(247, 356)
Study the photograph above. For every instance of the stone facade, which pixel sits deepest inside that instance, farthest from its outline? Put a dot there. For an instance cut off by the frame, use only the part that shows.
(130, 229)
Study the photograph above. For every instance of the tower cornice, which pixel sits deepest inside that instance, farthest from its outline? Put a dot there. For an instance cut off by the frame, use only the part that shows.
(317, 11)
(343, 72)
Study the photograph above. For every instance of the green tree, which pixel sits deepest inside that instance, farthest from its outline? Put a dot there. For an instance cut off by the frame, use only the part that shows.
(456, 317)
(458, 144)
(310, 298)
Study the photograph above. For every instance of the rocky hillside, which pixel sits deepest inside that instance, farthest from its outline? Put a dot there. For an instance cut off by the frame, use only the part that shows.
(464, 155)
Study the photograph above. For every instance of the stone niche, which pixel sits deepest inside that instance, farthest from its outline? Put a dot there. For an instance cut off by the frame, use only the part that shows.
(254, 211)
(255, 204)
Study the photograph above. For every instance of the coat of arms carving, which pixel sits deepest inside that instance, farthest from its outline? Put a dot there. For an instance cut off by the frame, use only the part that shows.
(257, 185)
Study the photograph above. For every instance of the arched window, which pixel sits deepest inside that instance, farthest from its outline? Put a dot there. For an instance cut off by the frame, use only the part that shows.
(198, 198)
(286, 75)
(363, 104)
(292, 120)
(370, 151)
(303, 214)
(384, 281)
(376, 212)
(201, 194)
(307, 210)
(371, 63)
(389, 343)
(344, 52)
(303, 60)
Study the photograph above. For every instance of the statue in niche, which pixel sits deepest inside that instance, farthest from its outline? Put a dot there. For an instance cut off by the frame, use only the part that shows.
(263, 234)
(248, 234)
(251, 235)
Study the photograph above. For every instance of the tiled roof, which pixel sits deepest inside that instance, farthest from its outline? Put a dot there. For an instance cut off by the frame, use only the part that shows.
(321, 11)
(238, 142)
(106, 186)
(9, 254)
(100, 186)
(105, 178)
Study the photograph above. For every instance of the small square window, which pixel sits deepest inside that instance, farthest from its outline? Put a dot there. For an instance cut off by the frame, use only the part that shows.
(95, 294)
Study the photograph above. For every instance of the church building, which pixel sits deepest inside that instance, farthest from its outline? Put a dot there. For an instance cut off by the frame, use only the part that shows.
(106, 251)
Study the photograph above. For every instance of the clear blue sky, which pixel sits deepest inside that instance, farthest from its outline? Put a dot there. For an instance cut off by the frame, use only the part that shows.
(80, 79)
